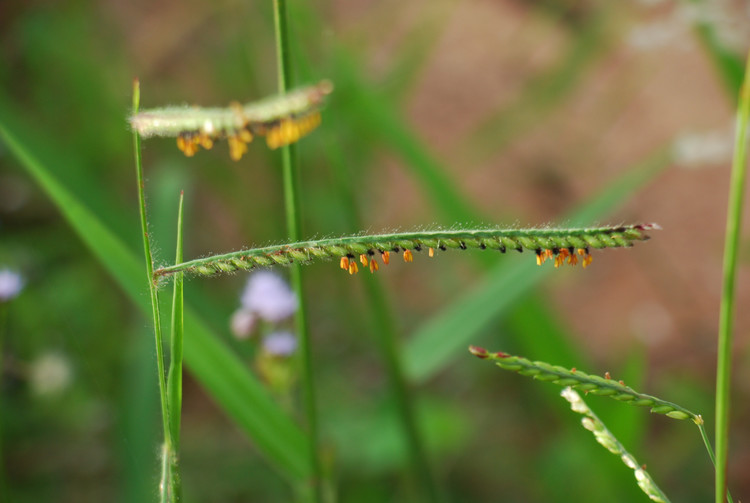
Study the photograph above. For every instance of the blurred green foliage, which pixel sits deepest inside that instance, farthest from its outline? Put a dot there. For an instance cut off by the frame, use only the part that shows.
(66, 78)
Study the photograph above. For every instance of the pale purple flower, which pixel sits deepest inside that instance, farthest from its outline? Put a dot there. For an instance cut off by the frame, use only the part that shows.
(243, 322)
(280, 344)
(267, 295)
(11, 284)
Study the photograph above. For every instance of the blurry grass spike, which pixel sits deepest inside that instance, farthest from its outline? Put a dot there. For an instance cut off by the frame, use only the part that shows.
(587, 383)
(605, 437)
(559, 243)
(282, 119)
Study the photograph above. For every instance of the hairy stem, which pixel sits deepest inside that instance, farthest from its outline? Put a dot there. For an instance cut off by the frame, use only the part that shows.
(165, 493)
(293, 221)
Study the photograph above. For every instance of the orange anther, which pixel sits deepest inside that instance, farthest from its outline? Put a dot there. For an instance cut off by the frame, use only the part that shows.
(408, 257)
(587, 260)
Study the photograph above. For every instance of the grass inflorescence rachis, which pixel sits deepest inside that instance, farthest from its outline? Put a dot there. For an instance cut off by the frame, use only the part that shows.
(561, 245)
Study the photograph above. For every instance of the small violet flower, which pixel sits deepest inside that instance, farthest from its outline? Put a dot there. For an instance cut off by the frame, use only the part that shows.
(11, 284)
(280, 344)
(243, 322)
(268, 296)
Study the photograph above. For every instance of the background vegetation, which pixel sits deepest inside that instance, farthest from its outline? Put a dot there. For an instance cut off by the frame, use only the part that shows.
(475, 112)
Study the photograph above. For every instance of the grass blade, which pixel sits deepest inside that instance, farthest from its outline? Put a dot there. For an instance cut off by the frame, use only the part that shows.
(728, 64)
(174, 377)
(726, 314)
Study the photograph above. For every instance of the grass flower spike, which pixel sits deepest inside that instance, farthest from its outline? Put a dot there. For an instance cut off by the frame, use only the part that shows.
(590, 384)
(282, 119)
(561, 245)
(592, 423)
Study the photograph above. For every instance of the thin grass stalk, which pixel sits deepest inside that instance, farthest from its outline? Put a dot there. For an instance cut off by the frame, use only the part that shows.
(174, 377)
(165, 484)
(711, 455)
(726, 315)
(385, 331)
(293, 221)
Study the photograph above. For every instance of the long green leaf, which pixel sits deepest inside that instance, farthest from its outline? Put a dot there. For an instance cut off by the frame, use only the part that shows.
(726, 313)
(226, 378)
(728, 64)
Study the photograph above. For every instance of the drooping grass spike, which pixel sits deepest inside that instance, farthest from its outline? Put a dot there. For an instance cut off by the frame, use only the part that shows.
(282, 119)
(590, 384)
(562, 244)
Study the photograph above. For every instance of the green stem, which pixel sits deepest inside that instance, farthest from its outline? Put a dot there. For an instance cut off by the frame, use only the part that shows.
(293, 222)
(165, 482)
(385, 332)
(724, 358)
(384, 327)
(710, 451)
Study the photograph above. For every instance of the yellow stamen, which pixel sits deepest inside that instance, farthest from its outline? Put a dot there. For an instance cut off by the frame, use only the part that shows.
(431, 252)
(245, 135)
(607, 375)
(408, 257)
(559, 260)
(344, 263)
(539, 259)
(205, 141)
(290, 130)
(353, 269)
(373, 266)
(188, 145)
(363, 259)
(572, 260)
(386, 257)
(237, 147)
(581, 251)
